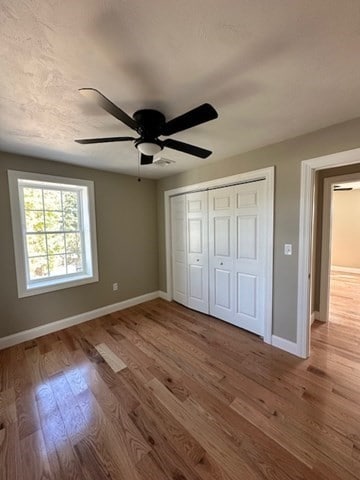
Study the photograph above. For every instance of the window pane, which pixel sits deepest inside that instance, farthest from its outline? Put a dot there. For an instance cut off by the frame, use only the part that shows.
(55, 243)
(74, 263)
(57, 265)
(36, 245)
(38, 267)
(53, 221)
(52, 200)
(70, 200)
(34, 221)
(73, 243)
(71, 221)
(33, 198)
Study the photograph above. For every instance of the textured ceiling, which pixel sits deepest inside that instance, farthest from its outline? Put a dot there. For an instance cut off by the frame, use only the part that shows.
(273, 70)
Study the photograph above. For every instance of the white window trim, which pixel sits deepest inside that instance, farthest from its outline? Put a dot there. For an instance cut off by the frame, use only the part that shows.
(50, 285)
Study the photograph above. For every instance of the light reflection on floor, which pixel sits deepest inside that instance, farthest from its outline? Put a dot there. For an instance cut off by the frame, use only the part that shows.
(66, 407)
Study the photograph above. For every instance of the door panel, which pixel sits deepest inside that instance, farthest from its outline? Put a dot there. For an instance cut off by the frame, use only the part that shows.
(221, 252)
(195, 235)
(197, 251)
(196, 273)
(222, 236)
(249, 263)
(246, 295)
(178, 236)
(222, 285)
(246, 237)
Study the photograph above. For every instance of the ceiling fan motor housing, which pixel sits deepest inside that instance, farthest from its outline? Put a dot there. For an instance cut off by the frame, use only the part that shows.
(150, 124)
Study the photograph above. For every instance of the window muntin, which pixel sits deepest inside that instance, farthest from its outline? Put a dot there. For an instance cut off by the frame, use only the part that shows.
(57, 229)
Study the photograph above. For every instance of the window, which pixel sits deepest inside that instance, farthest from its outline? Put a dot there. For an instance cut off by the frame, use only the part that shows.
(53, 222)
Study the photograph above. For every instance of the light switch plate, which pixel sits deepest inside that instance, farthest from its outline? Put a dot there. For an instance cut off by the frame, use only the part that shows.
(287, 249)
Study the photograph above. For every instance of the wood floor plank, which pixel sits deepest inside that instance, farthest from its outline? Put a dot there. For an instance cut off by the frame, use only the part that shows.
(149, 469)
(110, 440)
(34, 459)
(110, 358)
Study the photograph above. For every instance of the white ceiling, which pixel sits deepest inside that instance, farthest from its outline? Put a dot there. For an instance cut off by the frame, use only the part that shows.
(273, 70)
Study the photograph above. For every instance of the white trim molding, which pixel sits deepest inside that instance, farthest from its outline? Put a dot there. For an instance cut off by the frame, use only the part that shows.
(284, 344)
(315, 316)
(86, 218)
(164, 295)
(308, 169)
(267, 174)
(36, 332)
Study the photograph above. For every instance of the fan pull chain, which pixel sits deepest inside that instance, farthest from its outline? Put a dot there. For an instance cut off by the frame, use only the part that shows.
(139, 179)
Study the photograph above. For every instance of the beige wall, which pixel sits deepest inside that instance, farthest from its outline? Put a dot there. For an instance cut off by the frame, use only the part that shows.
(127, 247)
(345, 248)
(286, 156)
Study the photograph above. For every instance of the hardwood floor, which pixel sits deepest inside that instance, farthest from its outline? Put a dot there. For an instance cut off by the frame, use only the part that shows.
(160, 392)
(345, 299)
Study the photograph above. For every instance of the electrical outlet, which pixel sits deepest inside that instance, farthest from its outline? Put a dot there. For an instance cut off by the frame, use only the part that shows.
(115, 287)
(287, 249)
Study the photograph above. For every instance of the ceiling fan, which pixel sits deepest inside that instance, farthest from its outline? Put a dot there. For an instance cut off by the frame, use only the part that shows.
(150, 125)
(339, 188)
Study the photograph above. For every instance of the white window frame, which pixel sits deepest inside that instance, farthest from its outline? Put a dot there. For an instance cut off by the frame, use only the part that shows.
(25, 286)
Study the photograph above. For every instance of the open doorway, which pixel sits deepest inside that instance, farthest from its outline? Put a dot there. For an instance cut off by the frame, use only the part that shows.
(313, 173)
(336, 262)
(340, 279)
(340, 248)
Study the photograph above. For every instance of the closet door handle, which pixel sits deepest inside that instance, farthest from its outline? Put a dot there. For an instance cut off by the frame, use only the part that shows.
(197, 259)
(221, 263)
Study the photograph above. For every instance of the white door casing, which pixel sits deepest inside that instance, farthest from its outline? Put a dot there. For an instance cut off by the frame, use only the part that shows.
(197, 251)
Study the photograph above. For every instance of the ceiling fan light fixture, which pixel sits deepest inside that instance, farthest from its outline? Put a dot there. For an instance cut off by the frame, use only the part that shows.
(149, 148)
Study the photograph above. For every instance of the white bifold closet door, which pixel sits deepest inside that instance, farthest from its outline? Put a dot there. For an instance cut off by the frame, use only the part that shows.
(218, 253)
(237, 232)
(179, 249)
(189, 232)
(221, 252)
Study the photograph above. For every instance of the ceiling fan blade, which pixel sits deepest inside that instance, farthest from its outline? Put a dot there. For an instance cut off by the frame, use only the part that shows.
(86, 141)
(186, 148)
(146, 159)
(107, 105)
(203, 113)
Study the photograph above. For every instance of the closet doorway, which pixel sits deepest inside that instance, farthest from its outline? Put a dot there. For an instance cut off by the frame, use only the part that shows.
(220, 249)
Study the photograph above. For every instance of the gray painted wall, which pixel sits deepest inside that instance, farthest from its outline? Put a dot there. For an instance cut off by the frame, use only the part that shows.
(287, 157)
(127, 240)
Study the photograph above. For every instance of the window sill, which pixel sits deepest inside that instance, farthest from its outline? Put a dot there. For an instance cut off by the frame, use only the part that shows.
(53, 285)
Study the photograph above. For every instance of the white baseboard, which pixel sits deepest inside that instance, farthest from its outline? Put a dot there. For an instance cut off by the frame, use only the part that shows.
(315, 316)
(25, 335)
(338, 268)
(283, 344)
(164, 295)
